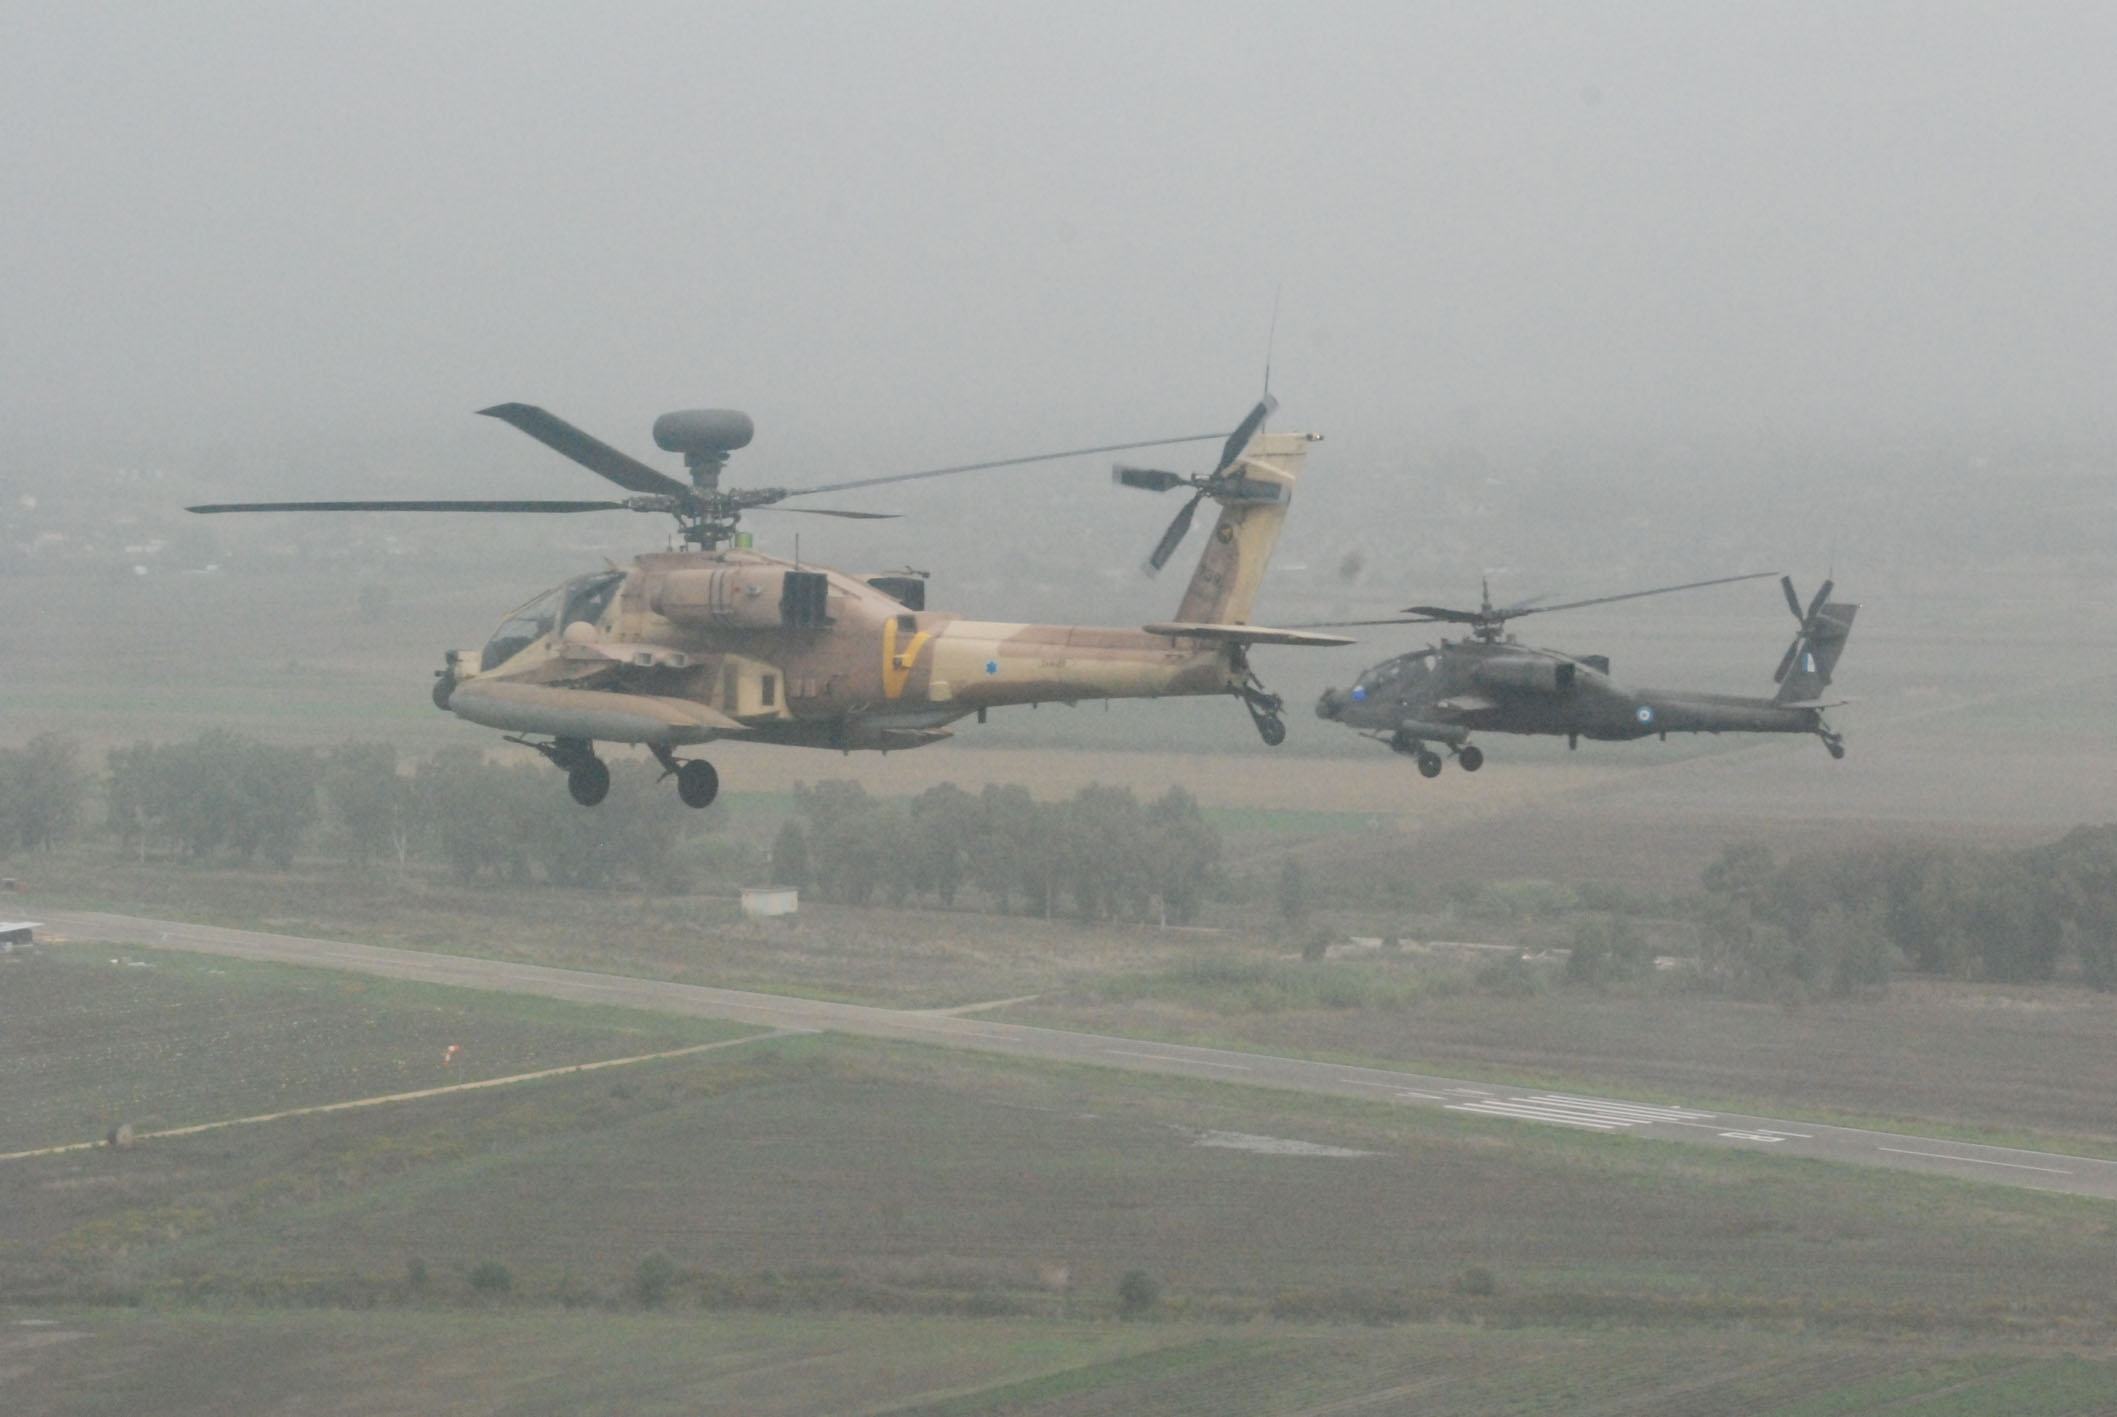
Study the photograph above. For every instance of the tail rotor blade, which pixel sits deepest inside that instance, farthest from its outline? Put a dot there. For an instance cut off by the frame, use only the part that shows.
(1146, 479)
(1170, 539)
(1244, 431)
(1817, 604)
(1793, 601)
(1793, 652)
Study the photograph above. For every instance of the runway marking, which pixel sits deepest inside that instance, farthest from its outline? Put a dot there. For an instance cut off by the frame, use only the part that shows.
(1974, 1160)
(1177, 1058)
(1398, 1089)
(1598, 1114)
(323, 1107)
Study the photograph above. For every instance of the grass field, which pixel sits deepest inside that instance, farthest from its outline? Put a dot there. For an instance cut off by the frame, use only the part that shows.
(853, 1226)
(830, 1173)
(820, 1225)
(2018, 1063)
(533, 1363)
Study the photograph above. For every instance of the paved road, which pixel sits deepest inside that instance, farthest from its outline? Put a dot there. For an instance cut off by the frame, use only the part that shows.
(2039, 1170)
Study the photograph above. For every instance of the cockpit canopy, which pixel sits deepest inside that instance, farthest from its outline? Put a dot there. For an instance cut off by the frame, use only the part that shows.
(582, 598)
(1393, 676)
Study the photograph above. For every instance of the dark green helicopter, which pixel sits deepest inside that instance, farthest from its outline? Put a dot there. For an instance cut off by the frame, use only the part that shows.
(1489, 682)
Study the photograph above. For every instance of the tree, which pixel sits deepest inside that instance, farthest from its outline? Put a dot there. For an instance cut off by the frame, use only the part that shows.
(462, 803)
(367, 801)
(790, 856)
(1181, 852)
(1292, 895)
(1014, 852)
(2082, 870)
(42, 793)
(945, 824)
(850, 841)
(1102, 843)
(1605, 949)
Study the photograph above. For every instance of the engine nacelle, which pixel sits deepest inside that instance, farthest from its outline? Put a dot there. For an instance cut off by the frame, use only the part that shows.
(739, 597)
(1530, 673)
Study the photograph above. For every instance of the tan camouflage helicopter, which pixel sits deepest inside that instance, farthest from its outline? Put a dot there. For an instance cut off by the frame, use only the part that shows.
(721, 641)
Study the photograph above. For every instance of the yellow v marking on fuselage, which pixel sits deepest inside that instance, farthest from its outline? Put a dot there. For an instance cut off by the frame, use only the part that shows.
(896, 664)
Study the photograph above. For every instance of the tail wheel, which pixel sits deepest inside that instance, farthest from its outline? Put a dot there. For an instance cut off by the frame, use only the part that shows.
(1471, 757)
(697, 783)
(1429, 764)
(589, 781)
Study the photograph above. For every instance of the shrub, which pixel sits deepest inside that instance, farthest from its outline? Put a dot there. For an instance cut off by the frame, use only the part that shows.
(653, 1279)
(491, 1277)
(1138, 1294)
(1475, 1282)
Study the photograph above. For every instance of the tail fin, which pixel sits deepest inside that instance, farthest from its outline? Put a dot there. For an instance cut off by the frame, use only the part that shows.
(1224, 586)
(1815, 654)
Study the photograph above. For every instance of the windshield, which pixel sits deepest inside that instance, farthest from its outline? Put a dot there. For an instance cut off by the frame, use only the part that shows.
(1393, 675)
(522, 628)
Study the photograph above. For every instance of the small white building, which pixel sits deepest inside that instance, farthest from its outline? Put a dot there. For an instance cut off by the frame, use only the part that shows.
(18, 934)
(764, 902)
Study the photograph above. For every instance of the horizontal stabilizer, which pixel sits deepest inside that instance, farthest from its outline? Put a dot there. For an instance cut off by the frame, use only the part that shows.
(1247, 635)
(596, 715)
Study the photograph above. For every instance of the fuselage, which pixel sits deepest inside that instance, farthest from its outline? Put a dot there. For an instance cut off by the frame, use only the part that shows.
(1473, 686)
(771, 651)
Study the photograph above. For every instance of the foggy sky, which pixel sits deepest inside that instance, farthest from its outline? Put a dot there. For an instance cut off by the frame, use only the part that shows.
(908, 234)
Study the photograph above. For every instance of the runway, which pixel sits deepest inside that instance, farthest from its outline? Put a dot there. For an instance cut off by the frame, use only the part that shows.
(2048, 1171)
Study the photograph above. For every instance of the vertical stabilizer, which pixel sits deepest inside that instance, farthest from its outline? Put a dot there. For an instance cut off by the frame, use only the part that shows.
(1224, 586)
(1816, 653)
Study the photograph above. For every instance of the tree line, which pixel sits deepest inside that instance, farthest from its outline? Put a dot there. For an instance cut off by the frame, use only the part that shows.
(1102, 855)
(224, 796)
(1837, 923)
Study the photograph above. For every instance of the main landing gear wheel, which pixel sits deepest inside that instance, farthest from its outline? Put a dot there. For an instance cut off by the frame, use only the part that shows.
(1264, 706)
(589, 781)
(1472, 758)
(1837, 749)
(1429, 764)
(697, 783)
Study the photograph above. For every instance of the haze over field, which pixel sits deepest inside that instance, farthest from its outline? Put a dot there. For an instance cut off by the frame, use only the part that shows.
(1586, 298)
(910, 235)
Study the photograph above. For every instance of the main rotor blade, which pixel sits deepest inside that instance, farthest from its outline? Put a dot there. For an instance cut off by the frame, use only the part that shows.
(1443, 613)
(506, 506)
(999, 462)
(589, 451)
(833, 512)
(1350, 624)
(1166, 547)
(1244, 431)
(1636, 594)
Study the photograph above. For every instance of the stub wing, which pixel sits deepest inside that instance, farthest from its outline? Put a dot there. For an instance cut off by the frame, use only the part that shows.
(1464, 704)
(1246, 634)
(596, 715)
